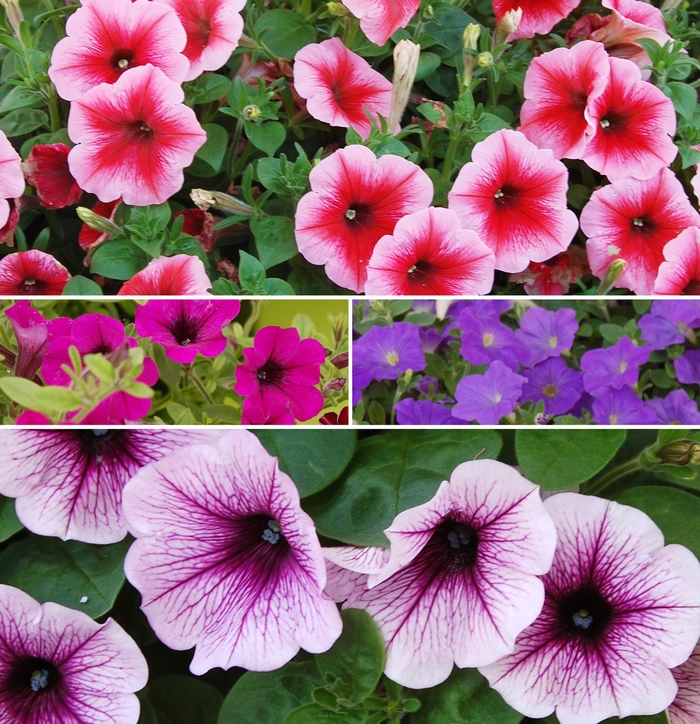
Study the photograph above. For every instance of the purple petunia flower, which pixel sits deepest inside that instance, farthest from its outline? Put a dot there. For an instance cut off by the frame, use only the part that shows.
(425, 383)
(460, 582)
(547, 334)
(186, 326)
(225, 558)
(57, 665)
(686, 311)
(422, 412)
(688, 367)
(620, 611)
(486, 339)
(686, 706)
(659, 329)
(614, 366)
(622, 407)
(676, 409)
(489, 397)
(552, 381)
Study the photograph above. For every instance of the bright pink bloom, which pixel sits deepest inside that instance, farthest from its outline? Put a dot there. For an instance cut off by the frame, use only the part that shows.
(680, 272)
(355, 199)
(634, 220)
(555, 275)
(539, 16)
(134, 137)
(430, 254)
(340, 87)
(31, 273)
(88, 237)
(11, 177)
(179, 275)
(686, 706)
(105, 39)
(635, 122)
(276, 415)
(513, 195)
(380, 19)
(213, 29)
(559, 85)
(46, 169)
(281, 369)
(695, 181)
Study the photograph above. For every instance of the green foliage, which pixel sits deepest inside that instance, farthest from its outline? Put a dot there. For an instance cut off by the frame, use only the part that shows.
(179, 700)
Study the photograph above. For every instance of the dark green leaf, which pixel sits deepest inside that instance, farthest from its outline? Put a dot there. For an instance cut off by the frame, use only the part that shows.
(82, 287)
(427, 63)
(118, 260)
(22, 121)
(9, 522)
(250, 272)
(183, 700)
(284, 32)
(274, 239)
(19, 98)
(209, 87)
(277, 288)
(213, 151)
(684, 97)
(268, 137)
(316, 714)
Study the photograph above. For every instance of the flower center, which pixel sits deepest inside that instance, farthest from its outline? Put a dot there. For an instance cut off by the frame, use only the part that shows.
(553, 342)
(585, 613)
(122, 58)
(138, 130)
(184, 329)
(505, 196)
(604, 123)
(350, 214)
(29, 282)
(693, 287)
(488, 339)
(269, 374)
(459, 543)
(420, 273)
(273, 532)
(39, 679)
(638, 221)
(357, 213)
(31, 677)
(623, 366)
(550, 390)
(392, 358)
(613, 419)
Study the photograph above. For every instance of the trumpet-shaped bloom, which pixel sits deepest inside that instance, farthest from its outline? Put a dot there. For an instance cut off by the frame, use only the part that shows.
(633, 220)
(686, 706)
(187, 327)
(675, 409)
(134, 138)
(687, 367)
(340, 86)
(614, 366)
(106, 39)
(225, 558)
(539, 16)
(11, 177)
(423, 412)
(179, 275)
(58, 665)
(489, 397)
(461, 581)
(547, 334)
(31, 273)
(620, 611)
(69, 483)
(430, 254)
(355, 199)
(380, 19)
(486, 339)
(553, 382)
(513, 195)
(276, 415)
(622, 407)
(679, 273)
(659, 328)
(46, 169)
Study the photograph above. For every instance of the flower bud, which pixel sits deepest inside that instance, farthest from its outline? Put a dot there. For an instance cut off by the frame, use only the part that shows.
(252, 112)
(406, 55)
(97, 222)
(681, 452)
(612, 275)
(13, 14)
(670, 5)
(508, 24)
(484, 60)
(470, 38)
(337, 9)
(205, 200)
(334, 385)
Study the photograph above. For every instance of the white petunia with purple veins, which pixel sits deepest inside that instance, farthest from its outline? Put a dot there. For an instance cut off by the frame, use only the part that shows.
(461, 580)
(686, 706)
(620, 611)
(226, 560)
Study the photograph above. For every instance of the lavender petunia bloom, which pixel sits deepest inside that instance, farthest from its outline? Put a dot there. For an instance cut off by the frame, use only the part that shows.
(686, 311)
(552, 381)
(622, 407)
(422, 412)
(58, 666)
(68, 483)
(486, 339)
(659, 329)
(461, 580)
(676, 409)
(547, 334)
(620, 611)
(425, 383)
(489, 397)
(614, 366)
(225, 558)
(688, 367)
(686, 706)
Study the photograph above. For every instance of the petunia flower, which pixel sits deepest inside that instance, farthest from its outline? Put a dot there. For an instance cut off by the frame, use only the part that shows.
(69, 484)
(380, 19)
(355, 199)
(89, 237)
(31, 273)
(622, 407)
(461, 581)
(513, 195)
(422, 412)
(225, 558)
(686, 706)
(555, 275)
(46, 169)
(430, 254)
(106, 39)
(614, 366)
(134, 138)
(545, 333)
(553, 382)
(179, 275)
(679, 273)
(489, 397)
(486, 339)
(11, 177)
(200, 224)
(186, 327)
(620, 611)
(633, 220)
(341, 87)
(7, 232)
(281, 369)
(687, 367)
(675, 409)
(538, 16)
(58, 665)
(276, 415)
(659, 328)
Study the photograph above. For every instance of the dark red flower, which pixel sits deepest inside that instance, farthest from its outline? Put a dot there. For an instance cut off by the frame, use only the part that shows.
(199, 224)
(46, 169)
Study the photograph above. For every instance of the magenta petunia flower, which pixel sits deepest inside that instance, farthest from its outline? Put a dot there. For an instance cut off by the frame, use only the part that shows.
(281, 369)
(186, 327)
(461, 580)
(134, 138)
(46, 169)
(679, 273)
(172, 276)
(489, 397)
(276, 415)
(614, 366)
(11, 177)
(633, 220)
(513, 195)
(620, 611)
(31, 273)
(547, 334)
(430, 254)
(355, 199)
(538, 16)
(340, 87)
(225, 558)
(380, 19)
(105, 39)
(69, 483)
(58, 665)
(686, 706)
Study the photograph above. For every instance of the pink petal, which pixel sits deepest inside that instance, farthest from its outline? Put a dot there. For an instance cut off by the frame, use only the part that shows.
(680, 272)
(539, 16)
(11, 177)
(380, 19)
(179, 275)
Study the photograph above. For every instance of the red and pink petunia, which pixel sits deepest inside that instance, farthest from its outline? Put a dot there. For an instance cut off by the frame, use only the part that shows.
(680, 272)
(31, 273)
(46, 169)
(539, 16)
(380, 19)
(179, 275)
(11, 177)
(89, 237)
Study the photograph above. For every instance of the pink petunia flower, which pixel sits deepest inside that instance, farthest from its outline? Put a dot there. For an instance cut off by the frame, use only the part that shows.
(620, 611)
(380, 19)
(179, 275)
(105, 39)
(31, 273)
(513, 195)
(69, 484)
(539, 16)
(355, 199)
(213, 27)
(429, 253)
(225, 558)
(340, 87)
(46, 169)
(680, 272)
(686, 706)
(460, 582)
(134, 137)
(11, 177)
(281, 369)
(633, 220)
(58, 665)
(186, 327)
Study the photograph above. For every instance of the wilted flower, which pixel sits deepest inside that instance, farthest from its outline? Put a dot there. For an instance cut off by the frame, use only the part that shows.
(555, 275)
(31, 273)
(200, 224)
(98, 224)
(46, 169)
(179, 275)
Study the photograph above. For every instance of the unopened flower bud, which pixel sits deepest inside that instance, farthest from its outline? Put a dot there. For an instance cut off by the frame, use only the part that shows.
(205, 200)
(612, 275)
(252, 112)
(406, 55)
(337, 9)
(13, 14)
(670, 5)
(507, 26)
(484, 60)
(97, 222)
(334, 385)
(470, 38)
(681, 452)
(340, 361)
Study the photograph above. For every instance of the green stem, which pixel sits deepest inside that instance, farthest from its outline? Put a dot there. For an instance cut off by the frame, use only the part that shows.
(450, 155)
(620, 472)
(236, 142)
(200, 386)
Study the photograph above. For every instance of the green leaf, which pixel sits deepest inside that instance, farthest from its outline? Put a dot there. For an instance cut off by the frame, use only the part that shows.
(428, 63)
(684, 97)
(56, 399)
(274, 239)
(612, 332)
(19, 98)
(315, 714)
(81, 286)
(49, 569)
(118, 260)
(180, 414)
(214, 149)
(268, 136)
(284, 33)
(250, 272)
(314, 460)
(168, 370)
(209, 87)
(9, 522)
(19, 390)
(390, 473)
(182, 700)
(277, 288)
(22, 121)
(556, 459)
